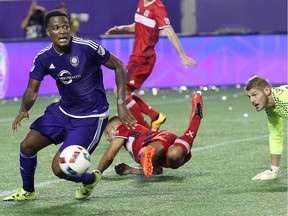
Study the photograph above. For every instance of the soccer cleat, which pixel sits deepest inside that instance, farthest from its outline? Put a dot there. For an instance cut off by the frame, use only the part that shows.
(155, 125)
(197, 105)
(146, 161)
(85, 190)
(266, 175)
(21, 195)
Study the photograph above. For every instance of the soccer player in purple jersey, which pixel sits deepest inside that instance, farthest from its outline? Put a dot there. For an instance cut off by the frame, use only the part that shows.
(82, 112)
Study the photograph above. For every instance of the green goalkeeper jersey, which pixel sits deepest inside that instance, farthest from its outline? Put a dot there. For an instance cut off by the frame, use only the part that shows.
(275, 118)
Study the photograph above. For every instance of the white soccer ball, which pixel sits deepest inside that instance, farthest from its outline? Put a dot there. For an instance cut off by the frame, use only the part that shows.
(74, 160)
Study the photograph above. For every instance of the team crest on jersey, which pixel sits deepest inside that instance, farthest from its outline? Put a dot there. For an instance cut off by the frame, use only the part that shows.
(146, 13)
(101, 51)
(167, 21)
(74, 61)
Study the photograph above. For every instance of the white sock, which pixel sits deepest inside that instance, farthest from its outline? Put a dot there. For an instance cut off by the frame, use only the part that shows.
(274, 168)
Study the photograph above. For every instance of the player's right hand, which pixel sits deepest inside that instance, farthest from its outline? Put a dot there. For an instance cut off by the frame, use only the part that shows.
(18, 119)
(112, 30)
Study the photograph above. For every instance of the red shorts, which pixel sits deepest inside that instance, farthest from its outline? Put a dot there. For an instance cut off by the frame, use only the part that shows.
(138, 72)
(167, 138)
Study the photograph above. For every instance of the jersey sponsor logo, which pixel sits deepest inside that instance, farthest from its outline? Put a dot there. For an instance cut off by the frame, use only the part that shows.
(66, 78)
(51, 66)
(74, 61)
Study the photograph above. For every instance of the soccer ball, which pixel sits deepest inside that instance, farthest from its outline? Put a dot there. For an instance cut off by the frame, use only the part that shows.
(74, 160)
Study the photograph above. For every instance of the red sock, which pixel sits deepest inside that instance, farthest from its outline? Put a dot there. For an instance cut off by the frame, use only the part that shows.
(186, 140)
(136, 112)
(145, 108)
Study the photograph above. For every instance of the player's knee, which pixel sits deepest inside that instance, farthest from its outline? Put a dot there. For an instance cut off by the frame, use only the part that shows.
(27, 147)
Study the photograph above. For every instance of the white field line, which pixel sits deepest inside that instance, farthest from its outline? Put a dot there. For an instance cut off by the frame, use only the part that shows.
(210, 146)
(109, 170)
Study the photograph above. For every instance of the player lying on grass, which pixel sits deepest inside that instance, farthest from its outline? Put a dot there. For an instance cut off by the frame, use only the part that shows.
(153, 150)
(275, 103)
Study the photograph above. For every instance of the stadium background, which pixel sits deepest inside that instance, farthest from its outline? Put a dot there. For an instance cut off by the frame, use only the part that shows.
(231, 41)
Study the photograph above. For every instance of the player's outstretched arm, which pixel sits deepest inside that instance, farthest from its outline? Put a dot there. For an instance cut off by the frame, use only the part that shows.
(110, 154)
(122, 28)
(125, 169)
(120, 73)
(186, 60)
(28, 100)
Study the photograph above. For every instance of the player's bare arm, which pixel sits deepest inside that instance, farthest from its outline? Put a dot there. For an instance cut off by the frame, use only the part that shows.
(28, 100)
(122, 28)
(109, 155)
(125, 169)
(120, 73)
(186, 60)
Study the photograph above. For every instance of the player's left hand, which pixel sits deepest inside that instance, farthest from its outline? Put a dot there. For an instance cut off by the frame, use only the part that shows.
(125, 116)
(187, 61)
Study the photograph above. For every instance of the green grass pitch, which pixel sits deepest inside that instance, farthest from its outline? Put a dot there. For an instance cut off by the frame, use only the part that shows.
(228, 151)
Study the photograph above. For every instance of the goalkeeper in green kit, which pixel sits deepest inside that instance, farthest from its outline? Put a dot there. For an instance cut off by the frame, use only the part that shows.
(275, 103)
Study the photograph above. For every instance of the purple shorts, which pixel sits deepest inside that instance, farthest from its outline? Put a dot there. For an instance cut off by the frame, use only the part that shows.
(60, 128)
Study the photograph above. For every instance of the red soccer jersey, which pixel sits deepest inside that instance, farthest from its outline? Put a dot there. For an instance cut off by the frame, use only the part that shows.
(135, 138)
(149, 20)
(140, 136)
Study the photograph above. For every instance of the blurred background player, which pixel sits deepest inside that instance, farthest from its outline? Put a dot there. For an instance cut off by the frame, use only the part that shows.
(150, 18)
(153, 150)
(80, 116)
(275, 103)
(33, 22)
(74, 22)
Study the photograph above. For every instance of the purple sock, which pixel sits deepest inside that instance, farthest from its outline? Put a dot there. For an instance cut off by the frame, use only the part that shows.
(27, 170)
(85, 178)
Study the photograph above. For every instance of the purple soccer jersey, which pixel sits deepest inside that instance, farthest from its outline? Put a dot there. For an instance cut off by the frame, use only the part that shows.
(78, 76)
